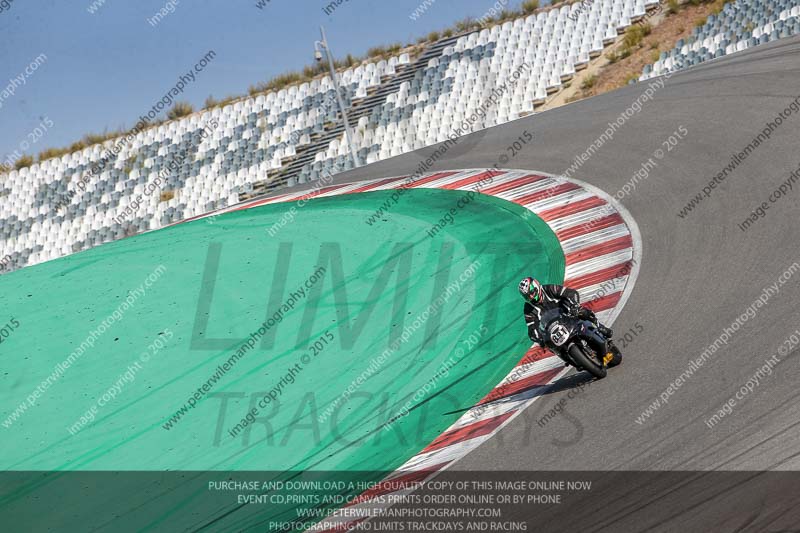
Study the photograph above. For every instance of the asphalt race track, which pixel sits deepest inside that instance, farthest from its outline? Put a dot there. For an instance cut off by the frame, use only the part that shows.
(698, 275)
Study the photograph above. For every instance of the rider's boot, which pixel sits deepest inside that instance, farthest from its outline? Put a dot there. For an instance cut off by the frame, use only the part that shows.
(613, 357)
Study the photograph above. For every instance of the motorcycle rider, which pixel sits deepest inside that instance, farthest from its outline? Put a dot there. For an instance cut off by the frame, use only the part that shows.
(539, 298)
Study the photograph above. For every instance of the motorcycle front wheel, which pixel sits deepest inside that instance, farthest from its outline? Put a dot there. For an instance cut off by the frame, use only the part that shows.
(587, 362)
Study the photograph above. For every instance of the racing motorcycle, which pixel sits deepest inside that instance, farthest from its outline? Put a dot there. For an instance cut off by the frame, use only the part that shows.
(578, 342)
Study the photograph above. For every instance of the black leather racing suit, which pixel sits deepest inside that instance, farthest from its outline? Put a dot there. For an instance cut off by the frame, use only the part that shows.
(569, 301)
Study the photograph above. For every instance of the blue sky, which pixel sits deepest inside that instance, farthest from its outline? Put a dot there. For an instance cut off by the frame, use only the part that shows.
(105, 69)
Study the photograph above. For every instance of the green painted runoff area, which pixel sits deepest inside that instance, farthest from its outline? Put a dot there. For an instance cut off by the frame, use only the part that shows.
(368, 341)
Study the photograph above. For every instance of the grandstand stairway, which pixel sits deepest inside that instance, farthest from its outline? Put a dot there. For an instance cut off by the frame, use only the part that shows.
(360, 107)
(252, 146)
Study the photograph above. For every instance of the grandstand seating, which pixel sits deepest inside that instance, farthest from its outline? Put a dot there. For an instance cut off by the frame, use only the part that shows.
(740, 25)
(220, 156)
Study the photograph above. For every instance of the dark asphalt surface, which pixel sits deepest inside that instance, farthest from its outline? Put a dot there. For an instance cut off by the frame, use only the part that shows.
(698, 274)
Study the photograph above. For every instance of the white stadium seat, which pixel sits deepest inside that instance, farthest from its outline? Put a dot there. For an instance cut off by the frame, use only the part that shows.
(295, 135)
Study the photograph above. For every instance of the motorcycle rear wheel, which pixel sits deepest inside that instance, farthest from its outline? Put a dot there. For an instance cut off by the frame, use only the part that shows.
(587, 362)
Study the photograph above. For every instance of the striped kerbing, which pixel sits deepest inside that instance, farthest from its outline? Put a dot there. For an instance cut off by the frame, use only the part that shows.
(600, 244)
